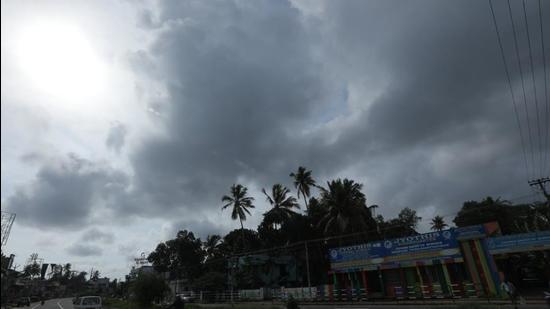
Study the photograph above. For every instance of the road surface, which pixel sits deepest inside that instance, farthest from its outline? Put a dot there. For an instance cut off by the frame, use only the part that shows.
(65, 303)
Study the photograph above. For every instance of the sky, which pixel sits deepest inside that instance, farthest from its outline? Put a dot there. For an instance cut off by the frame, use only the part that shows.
(126, 121)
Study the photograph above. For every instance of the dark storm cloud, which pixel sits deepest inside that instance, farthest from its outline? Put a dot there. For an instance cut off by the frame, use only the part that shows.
(96, 235)
(447, 99)
(116, 137)
(248, 83)
(84, 250)
(408, 97)
(242, 78)
(65, 193)
(200, 228)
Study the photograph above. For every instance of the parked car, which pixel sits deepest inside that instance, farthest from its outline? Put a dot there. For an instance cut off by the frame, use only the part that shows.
(23, 301)
(87, 302)
(187, 297)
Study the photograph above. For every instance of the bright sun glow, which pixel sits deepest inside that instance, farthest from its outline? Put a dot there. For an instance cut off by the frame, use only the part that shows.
(60, 61)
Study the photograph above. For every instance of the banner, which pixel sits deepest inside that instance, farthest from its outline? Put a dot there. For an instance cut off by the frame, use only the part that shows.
(519, 242)
(422, 248)
(43, 270)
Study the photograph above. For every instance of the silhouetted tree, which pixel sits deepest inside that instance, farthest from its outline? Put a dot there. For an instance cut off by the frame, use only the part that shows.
(303, 183)
(438, 223)
(282, 204)
(346, 210)
(182, 256)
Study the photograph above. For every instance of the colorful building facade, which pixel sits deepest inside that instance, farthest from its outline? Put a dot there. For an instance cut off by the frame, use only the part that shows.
(457, 262)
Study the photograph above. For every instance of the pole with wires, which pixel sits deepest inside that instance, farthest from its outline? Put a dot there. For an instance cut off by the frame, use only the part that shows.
(307, 269)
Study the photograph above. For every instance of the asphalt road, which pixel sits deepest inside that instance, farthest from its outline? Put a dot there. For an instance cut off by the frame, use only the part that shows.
(65, 303)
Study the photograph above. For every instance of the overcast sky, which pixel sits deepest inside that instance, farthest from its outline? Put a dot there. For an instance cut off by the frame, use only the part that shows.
(124, 121)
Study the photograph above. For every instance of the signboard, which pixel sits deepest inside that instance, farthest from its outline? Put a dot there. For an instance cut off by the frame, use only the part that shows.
(423, 247)
(519, 242)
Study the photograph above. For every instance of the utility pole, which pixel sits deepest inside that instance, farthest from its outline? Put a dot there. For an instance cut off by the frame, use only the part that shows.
(307, 268)
(540, 183)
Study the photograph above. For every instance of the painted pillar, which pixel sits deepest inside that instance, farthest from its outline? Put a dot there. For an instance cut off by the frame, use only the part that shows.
(420, 280)
(335, 289)
(358, 283)
(365, 282)
(492, 265)
(479, 266)
(404, 285)
(485, 265)
(447, 278)
(470, 263)
(381, 281)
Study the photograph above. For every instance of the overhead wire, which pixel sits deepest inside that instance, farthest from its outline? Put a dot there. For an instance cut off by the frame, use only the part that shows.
(534, 87)
(522, 85)
(545, 90)
(518, 121)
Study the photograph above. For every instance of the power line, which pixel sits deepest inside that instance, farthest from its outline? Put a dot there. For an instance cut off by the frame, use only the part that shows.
(534, 82)
(545, 87)
(511, 90)
(522, 84)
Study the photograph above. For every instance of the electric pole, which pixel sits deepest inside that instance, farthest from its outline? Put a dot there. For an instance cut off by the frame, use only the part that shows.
(307, 269)
(540, 183)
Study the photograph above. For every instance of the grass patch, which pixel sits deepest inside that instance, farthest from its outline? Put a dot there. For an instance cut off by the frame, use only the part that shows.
(113, 303)
(228, 306)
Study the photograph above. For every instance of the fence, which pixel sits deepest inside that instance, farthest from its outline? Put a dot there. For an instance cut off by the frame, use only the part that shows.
(327, 293)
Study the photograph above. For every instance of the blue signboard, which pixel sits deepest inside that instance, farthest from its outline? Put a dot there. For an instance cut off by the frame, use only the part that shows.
(398, 246)
(422, 248)
(519, 242)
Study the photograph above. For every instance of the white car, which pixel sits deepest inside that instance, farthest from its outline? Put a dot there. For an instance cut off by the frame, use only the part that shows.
(188, 297)
(87, 302)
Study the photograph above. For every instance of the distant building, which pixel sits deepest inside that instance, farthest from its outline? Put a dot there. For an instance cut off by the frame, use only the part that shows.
(135, 271)
(100, 284)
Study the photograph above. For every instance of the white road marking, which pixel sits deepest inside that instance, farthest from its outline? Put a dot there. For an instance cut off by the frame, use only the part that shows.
(35, 306)
(59, 305)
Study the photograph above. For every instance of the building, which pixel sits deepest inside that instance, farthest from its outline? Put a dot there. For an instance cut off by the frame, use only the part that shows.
(100, 284)
(458, 262)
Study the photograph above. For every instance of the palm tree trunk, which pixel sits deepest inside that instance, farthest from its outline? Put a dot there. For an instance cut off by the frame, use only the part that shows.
(305, 202)
(242, 232)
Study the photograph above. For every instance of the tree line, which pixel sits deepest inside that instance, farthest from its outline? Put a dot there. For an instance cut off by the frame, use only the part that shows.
(339, 215)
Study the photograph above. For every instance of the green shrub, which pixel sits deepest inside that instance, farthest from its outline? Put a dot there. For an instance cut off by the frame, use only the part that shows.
(292, 303)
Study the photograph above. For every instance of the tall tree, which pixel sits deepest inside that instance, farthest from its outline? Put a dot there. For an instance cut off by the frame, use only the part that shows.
(67, 271)
(239, 202)
(282, 203)
(32, 270)
(303, 182)
(486, 210)
(182, 257)
(211, 246)
(95, 275)
(438, 223)
(346, 210)
(408, 219)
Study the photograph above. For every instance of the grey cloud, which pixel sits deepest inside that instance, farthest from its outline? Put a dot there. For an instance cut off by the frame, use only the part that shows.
(250, 92)
(65, 192)
(408, 98)
(241, 79)
(96, 235)
(116, 137)
(200, 228)
(84, 250)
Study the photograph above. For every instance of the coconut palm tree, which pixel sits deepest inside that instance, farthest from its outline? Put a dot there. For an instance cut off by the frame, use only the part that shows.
(239, 202)
(438, 223)
(211, 245)
(346, 209)
(303, 182)
(282, 204)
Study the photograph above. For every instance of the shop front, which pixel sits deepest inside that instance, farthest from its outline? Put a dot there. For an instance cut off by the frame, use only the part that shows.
(448, 263)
